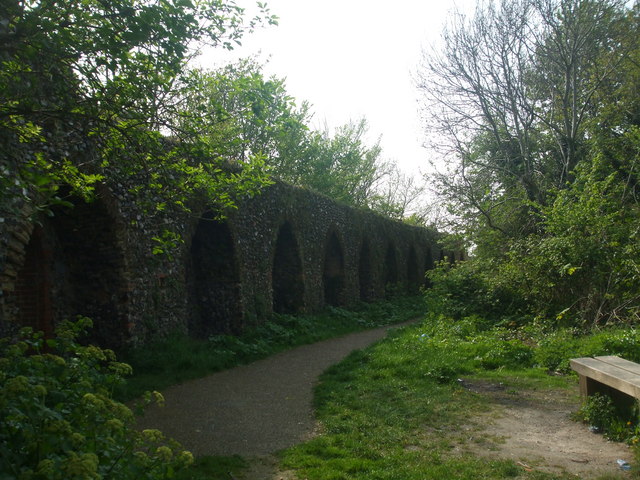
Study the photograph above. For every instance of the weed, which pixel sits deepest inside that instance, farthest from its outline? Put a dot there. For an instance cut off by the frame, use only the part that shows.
(208, 468)
(598, 411)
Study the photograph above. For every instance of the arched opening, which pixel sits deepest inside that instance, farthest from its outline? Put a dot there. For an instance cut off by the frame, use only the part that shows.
(214, 281)
(32, 293)
(365, 273)
(78, 265)
(413, 272)
(333, 272)
(287, 279)
(449, 256)
(428, 265)
(390, 269)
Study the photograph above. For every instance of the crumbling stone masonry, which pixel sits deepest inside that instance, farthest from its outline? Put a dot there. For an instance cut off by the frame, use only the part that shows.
(287, 250)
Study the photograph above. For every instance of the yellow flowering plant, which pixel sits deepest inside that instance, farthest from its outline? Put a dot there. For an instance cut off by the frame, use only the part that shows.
(59, 421)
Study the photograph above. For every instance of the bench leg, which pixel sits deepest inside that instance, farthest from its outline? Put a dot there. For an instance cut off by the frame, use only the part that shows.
(589, 386)
(584, 385)
(623, 402)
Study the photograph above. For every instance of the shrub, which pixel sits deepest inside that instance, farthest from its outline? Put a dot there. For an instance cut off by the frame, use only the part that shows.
(598, 411)
(555, 349)
(472, 288)
(508, 354)
(58, 419)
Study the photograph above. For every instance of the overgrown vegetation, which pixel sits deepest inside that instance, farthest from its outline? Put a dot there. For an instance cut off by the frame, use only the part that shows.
(178, 357)
(58, 419)
(534, 106)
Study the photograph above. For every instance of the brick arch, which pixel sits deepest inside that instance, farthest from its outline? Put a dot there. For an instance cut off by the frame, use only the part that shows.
(448, 255)
(287, 278)
(73, 264)
(428, 265)
(32, 291)
(90, 239)
(213, 279)
(390, 267)
(333, 271)
(365, 272)
(413, 271)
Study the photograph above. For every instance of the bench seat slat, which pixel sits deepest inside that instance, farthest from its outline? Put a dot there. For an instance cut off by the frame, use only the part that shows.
(609, 373)
(622, 363)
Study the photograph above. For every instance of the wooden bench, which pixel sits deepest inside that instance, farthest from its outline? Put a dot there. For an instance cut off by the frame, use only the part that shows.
(610, 375)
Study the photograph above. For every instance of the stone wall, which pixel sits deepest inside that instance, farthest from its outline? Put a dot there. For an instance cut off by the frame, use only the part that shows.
(287, 250)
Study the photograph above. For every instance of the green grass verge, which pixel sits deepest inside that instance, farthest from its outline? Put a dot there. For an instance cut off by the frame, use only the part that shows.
(213, 468)
(178, 357)
(396, 410)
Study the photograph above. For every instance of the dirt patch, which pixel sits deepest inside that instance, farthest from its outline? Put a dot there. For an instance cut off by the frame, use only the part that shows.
(534, 429)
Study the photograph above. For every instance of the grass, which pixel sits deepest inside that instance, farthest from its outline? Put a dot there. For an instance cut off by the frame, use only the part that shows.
(396, 411)
(178, 358)
(211, 468)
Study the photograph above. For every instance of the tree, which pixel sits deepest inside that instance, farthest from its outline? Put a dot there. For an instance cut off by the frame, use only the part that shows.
(85, 90)
(551, 203)
(240, 114)
(476, 96)
(400, 196)
(509, 95)
(342, 166)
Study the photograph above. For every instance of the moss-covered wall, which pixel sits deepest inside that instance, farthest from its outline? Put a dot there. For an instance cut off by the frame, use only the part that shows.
(287, 250)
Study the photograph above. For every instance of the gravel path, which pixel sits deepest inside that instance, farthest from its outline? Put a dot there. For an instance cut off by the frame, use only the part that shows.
(252, 410)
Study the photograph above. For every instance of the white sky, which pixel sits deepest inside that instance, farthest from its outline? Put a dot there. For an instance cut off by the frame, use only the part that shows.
(353, 59)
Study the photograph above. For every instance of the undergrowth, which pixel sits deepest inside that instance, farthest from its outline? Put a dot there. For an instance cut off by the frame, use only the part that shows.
(178, 357)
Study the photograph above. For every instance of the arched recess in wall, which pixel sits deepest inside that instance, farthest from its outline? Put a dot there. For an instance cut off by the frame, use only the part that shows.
(413, 272)
(333, 271)
(365, 273)
(428, 265)
(213, 279)
(92, 280)
(286, 275)
(32, 289)
(390, 276)
(449, 256)
(73, 266)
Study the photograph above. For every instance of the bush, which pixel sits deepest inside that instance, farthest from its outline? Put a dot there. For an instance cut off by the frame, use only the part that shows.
(558, 347)
(58, 419)
(617, 423)
(598, 411)
(472, 288)
(470, 343)
(510, 354)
